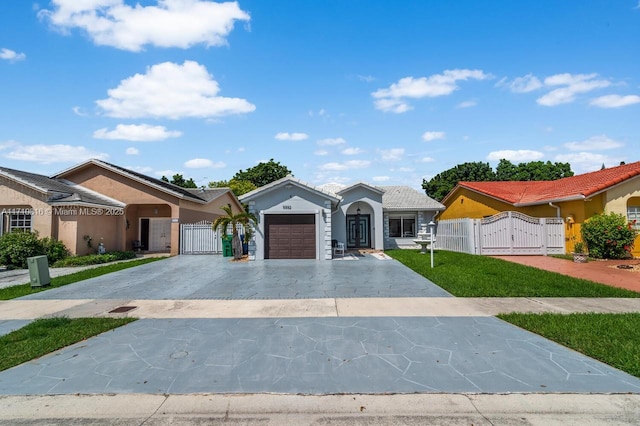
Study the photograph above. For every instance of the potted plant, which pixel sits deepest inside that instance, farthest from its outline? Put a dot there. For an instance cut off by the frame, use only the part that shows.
(579, 254)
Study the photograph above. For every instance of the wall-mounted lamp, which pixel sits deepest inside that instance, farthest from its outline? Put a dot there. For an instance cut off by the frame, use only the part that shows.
(358, 210)
(155, 211)
(570, 219)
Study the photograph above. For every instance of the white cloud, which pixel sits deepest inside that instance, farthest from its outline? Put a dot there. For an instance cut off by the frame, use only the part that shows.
(392, 98)
(321, 152)
(170, 90)
(615, 101)
(520, 156)
(406, 169)
(467, 104)
(381, 178)
(11, 56)
(137, 133)
(433, 136)
(352, 151)
(525, 84)
(347, 165)
(132, 151)
(141, 169)
(170, 23)
(79, 112)
(574, 84)
(426, 160)
(47, 154)
(283, 136)
(366, 78)
(594, 143)
(582, 162)
(393, 154)
(331, 141)
(203, 163)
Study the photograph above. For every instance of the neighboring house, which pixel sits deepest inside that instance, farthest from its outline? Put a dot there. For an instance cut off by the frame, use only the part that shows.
(300, 221)
(575, 199)
(98, 202)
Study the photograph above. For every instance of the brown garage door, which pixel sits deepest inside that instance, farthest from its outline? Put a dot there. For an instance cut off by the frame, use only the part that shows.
(290, 236)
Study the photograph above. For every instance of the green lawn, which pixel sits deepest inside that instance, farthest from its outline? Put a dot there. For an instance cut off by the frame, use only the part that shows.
(25, 289)
(611, 338)
(46, 335)
(467, 275)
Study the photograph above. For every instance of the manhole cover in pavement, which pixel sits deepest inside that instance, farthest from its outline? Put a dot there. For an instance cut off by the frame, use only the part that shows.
(122, 309)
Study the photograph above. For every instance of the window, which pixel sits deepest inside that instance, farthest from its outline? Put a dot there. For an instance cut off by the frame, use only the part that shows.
(402, 226)
(17, 221)
(633, 214)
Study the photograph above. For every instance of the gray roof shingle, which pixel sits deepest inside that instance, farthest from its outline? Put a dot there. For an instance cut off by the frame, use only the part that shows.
(60, 191)
(407, 198)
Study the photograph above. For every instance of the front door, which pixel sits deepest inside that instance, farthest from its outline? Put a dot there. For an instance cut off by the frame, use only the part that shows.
(358, 231)
(159, 234)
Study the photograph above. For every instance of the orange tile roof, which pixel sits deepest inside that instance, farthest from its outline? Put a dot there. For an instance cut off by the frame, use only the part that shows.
(540, 192)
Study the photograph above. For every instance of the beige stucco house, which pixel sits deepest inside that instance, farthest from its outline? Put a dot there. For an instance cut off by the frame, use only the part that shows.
(97, 202)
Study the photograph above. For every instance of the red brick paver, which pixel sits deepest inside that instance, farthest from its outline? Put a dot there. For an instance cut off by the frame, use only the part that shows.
(600, 271)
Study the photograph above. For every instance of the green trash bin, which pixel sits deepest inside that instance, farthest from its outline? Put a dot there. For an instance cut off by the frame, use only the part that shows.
(227, 251)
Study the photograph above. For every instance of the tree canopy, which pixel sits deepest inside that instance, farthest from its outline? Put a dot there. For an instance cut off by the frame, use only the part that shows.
(263, 173)
(441, 184)
(179, 180)
(238, 187)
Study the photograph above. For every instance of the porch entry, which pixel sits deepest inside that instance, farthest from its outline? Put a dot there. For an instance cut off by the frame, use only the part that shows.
(358, 231)
(155, 234)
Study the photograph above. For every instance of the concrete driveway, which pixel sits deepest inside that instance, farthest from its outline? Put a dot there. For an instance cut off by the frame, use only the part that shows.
(311, 355)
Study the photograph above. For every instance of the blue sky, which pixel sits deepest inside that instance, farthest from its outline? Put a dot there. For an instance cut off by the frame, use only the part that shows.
(387, 92)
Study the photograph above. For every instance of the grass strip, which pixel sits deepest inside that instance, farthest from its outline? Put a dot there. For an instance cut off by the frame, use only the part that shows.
(46, 335)
(25, 289)
(611, 338)
(466, 275)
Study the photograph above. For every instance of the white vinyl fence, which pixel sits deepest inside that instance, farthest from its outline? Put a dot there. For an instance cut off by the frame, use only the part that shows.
(200, 238)
(507, 233)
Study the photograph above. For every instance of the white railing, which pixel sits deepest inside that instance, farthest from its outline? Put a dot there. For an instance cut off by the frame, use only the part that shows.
(457, 235)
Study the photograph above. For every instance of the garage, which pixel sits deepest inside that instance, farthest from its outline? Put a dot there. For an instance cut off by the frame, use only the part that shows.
(290, 236)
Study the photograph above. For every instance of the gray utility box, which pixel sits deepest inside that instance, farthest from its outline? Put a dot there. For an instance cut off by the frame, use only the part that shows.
(38, 271)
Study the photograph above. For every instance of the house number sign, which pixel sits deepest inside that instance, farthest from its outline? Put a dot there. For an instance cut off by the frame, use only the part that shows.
(286, 207)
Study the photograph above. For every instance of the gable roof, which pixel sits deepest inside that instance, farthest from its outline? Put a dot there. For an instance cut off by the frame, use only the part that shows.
(407, 198)
(159, 184)
(364, 185)
(576, 187)
(292, 181)
(60, 191)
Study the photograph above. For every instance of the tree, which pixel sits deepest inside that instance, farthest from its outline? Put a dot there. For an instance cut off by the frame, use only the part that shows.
(442, 183)
(263, 173)
(238, 187)
(222, 222)
(179, 180)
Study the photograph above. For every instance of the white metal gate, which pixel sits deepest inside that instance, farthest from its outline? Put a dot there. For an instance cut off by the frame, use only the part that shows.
(507, 233)
(199, 238)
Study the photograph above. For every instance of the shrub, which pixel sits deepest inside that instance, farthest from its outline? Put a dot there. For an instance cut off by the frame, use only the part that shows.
(54, 249)
(17, 246)
(608, 236)
(94, 259)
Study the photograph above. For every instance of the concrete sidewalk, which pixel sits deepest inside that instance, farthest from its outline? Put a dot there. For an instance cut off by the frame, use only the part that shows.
(351, 410)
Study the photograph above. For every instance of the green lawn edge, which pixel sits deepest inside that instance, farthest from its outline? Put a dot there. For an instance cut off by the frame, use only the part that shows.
(47, 335)
(467, 275)
(610, 338)
(20, 290)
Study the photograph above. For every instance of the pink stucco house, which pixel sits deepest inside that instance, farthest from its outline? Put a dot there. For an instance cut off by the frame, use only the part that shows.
(98, 202)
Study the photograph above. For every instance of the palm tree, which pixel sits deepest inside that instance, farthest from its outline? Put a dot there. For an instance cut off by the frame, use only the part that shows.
(232, 219)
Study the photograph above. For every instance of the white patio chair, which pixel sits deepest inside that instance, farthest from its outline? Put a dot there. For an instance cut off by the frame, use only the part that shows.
(338, 248)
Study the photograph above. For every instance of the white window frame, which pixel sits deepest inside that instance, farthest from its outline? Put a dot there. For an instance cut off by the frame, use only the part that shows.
(11, 222)
(402, 218)
(633, 213)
